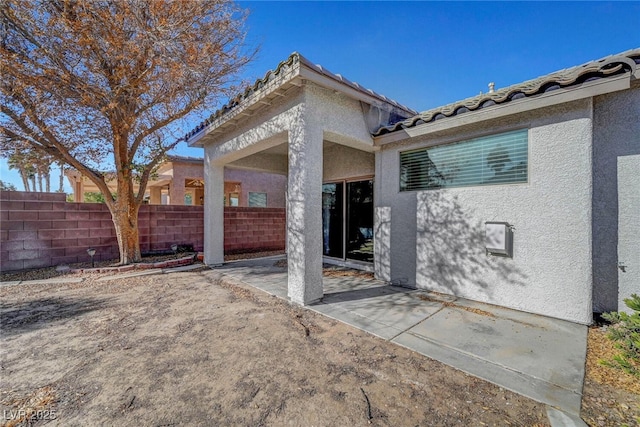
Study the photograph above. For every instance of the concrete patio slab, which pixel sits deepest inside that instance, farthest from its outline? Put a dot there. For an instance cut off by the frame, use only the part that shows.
(536, 356)
(546, 364)
(515, 345)
(385, 311)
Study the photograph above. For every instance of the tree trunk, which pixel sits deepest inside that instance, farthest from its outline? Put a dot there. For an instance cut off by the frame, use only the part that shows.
(33, 183)
(125, 220)
(25, 179)
(61, 188)
(48, 181)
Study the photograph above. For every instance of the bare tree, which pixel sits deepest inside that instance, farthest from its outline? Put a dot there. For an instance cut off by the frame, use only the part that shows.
(107, 82)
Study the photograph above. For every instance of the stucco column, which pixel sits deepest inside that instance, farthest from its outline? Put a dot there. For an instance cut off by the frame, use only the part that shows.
(176, 191)
(78, 190)
(304, 213)
(382, 243)
(199, 197)
(381, 225)
(213, 214)
(155, 195)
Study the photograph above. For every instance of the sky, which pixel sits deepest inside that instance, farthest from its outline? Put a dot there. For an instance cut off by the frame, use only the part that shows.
(427, 54)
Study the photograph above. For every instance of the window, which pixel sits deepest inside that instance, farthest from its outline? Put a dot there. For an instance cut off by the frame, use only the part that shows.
(496, 159)
(233, 199)
(258, 200)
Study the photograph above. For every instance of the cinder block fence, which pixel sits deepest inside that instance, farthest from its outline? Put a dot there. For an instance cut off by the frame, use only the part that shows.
(250, 229)
(42, 229)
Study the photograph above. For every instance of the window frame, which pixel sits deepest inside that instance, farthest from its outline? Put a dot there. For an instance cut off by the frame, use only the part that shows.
(525, 131)
(266, 199)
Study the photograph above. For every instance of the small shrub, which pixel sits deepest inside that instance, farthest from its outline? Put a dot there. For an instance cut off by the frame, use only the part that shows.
(625, 332)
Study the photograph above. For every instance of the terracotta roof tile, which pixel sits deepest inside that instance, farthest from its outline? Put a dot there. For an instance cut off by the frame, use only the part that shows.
(609, 66)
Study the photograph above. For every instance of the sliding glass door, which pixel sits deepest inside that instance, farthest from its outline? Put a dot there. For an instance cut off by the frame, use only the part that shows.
(347, 220)
(332, 220)
(360, 220)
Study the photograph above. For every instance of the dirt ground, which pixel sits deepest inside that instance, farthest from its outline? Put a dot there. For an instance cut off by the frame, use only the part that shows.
(185, 349)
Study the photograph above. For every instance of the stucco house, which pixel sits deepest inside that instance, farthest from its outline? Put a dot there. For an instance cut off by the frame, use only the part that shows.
(525, 197)
(180, 180)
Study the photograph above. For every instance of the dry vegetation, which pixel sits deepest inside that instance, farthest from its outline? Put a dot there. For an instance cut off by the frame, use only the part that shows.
(611, 396)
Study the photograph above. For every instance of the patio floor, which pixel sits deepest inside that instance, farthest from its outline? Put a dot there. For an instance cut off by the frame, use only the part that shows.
(540, 357)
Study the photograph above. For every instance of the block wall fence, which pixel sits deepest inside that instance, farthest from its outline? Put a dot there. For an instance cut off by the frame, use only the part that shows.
(43, 230)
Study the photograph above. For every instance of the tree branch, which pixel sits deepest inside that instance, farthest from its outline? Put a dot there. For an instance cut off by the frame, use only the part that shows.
(50, 145)
(144, 179)
(161, 124)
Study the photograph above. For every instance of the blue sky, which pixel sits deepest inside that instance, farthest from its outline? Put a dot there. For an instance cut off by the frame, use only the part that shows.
(427, 54)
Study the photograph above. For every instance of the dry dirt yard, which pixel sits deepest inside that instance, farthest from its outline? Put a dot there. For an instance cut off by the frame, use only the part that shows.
(186, 349)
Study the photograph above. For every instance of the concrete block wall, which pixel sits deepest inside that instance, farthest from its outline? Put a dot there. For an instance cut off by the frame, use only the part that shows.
(43, 230)
(160, 226)
(253, 229)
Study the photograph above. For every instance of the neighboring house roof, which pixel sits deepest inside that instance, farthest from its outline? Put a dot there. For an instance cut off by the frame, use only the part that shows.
(293, 67)
(183, 159)
(613, 65)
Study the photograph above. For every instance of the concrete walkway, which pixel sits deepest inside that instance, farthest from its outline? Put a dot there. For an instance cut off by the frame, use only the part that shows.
(536, 356)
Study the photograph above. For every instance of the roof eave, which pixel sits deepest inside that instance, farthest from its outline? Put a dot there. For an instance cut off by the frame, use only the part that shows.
(330, 83)
(294, 75)
(560, 96)
(281, 82)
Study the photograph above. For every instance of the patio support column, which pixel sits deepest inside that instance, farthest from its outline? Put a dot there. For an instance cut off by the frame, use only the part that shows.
(177, 191)
(78, 190)
(304, 213)
(213, 214)
(199, 197)
(155, 195)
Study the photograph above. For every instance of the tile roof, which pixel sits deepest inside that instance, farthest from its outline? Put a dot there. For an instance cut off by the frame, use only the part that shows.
(292, 63)
(628, 61)
(177, 158)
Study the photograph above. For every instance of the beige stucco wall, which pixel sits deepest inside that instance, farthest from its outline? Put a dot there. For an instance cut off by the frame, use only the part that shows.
(616, 134)
(342, 162)
(261, 182)
(435, 238)
(182, 172)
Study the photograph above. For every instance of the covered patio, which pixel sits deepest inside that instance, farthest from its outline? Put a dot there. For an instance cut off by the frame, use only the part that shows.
(314, 127)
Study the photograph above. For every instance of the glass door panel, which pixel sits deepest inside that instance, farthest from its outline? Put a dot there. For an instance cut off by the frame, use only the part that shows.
(332, 224)
(360, 220)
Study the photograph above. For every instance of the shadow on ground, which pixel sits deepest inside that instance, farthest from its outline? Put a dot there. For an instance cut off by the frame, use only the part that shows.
(19, 317)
